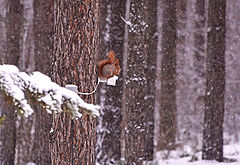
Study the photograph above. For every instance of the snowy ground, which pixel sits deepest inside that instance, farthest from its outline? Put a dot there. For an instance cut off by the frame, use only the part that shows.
(231, 152)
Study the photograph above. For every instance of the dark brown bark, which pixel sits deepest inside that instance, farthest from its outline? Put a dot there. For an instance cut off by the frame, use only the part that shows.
(43, 35)
(139, 87)
(75, 53)
(168, 124)
(215, 86)
(111, 38)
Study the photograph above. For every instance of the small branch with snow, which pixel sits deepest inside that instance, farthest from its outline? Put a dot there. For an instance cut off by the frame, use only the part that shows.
(47, 93)
(126, 22)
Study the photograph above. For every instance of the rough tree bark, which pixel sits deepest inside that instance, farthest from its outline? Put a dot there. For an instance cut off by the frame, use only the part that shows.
(139, 78)
(215, 85)
(109, 97)
(75, 53)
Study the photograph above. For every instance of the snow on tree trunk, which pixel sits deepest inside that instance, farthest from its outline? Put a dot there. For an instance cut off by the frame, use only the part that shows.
(215, 85)
(139, 78)
(75, 53)
(109, 97)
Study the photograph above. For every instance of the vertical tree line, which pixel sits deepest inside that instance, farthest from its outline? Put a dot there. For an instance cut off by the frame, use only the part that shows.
(215, 85)
(75, 54)
(110, 97)
(167, 93)
(140, 51)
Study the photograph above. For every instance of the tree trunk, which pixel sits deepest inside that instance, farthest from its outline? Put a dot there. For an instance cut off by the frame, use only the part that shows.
(43, 35)
(75, 53)
(43, 41)
(215, 73)
(26, 62)
(182, 68)
(139, 78)
(199, 37)
(168, 124)
(12, 20)
(232, 92)
(190, 72)
(109, 97)
(7, 130)
(3, 31)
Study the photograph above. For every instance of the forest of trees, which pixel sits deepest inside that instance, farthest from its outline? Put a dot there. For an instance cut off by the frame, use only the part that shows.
(179, 85)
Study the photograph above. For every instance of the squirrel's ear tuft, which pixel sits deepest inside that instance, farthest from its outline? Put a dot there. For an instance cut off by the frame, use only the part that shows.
(111, 54)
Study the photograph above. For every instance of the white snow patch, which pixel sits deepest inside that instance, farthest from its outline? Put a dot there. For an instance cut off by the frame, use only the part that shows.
(51, 95)
(230, 152)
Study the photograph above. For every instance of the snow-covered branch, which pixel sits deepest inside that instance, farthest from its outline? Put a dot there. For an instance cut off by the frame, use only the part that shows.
(47, 93)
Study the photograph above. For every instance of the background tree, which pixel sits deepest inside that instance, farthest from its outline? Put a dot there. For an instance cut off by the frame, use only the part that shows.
(26, 63)
(232, 88)
(19, 21)
(215, 86)
(109, 97)
(139, 77)
(10, 30)
(191, 32)
(75, 53)
(167, 109)
(43, 52)
(3, 31)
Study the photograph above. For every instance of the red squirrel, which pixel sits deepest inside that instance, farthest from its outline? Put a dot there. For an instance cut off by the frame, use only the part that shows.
(109, 67)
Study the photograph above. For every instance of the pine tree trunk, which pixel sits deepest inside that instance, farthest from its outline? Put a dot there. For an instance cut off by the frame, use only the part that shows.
(199, 37)
(7, 130)
(168, 124)
(139, 76)
(11, 52)
(3, 31)
(215, 73)
(232, 89)
(26, 62)
(75, 53)
(109, 97)
(43, 41)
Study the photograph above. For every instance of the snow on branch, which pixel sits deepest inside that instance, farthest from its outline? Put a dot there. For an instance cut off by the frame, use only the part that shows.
(47, 93)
